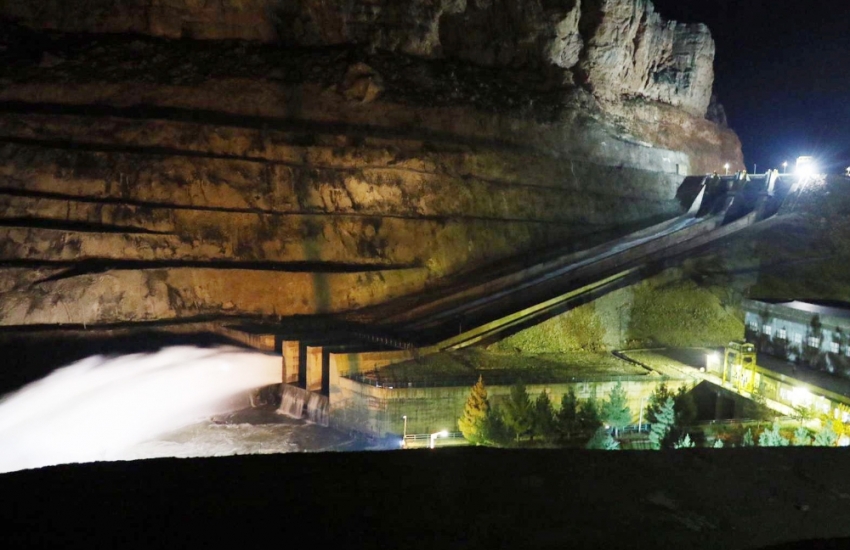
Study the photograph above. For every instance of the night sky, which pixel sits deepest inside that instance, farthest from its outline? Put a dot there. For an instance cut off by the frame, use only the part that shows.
(782, 73)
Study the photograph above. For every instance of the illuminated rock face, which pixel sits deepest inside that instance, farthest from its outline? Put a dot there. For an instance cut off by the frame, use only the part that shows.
(147, 179)
(619, 48)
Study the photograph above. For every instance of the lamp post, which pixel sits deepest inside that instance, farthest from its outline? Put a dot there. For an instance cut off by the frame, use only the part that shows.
(404, 437)
(785, 167)
(640, 418)
(434, 436)
(726, 167)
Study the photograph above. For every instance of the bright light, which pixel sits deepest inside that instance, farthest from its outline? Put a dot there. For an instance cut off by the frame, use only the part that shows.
(726, 167)
(434, 436)
(800, 396)
(97, 408)
(806, 167)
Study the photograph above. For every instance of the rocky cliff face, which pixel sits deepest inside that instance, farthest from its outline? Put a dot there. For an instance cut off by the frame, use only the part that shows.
(618, 48)
(346, 153)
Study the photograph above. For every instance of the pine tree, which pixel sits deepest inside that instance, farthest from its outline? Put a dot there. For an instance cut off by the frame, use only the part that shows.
(587, 416)
(543, 416)
(718, 443)
(772, 437)
(615, 411)
(518, 414)
(656, 401)
(664, 420)
(748, 441)
(801, 437)
(567, 417)
(826, 437)
(496, 433)
(686, 408)
(684, 443)
(472, 423)
(603, 441)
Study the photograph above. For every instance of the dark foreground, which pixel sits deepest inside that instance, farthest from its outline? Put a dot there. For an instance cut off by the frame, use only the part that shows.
(449, 498)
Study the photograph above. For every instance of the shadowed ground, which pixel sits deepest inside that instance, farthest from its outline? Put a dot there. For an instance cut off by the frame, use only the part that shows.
(449, 498)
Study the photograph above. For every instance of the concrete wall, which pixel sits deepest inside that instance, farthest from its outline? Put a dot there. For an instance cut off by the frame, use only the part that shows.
(379, 411)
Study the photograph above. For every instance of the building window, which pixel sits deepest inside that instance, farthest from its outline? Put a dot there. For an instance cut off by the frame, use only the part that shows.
(813, 342)
(767, 330)
(782, 334)
(833, 347)
(754, 326)
(798, 338)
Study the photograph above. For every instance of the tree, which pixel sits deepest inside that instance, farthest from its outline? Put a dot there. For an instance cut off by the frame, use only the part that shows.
(664, 421)
(772, 437)
(686, 407)
(495, 431)
(718, 443)
(684, 443)
(587, 416)
(747, 440)
(567, 417)
(801, 437)
(826, 437)
(518, 414)
(603, 441)
(543, 417)
(656, 401)
(472, 423)
(615, 411)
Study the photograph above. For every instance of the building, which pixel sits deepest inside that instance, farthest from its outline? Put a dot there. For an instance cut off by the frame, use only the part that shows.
(806, 333)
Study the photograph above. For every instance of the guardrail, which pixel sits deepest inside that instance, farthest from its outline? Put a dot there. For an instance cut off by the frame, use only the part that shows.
(377, 379)
(424, 440)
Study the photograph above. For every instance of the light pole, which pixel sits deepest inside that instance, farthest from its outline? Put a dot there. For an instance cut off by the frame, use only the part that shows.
(640, 418)
(404, 437)
(726, 167)
(785, 167)
(434, 436)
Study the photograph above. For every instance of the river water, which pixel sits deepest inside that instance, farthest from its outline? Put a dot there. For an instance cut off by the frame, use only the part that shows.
(179, 401)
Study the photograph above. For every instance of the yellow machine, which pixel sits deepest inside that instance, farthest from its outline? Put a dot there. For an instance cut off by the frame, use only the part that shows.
(739, 361)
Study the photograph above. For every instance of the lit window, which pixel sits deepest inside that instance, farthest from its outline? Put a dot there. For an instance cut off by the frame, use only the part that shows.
(814, 342)
(767, 330)
(833, 347)
(754, 326)
(782, 334)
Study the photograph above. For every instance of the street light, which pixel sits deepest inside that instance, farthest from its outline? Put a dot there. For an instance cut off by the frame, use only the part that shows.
(444, 433)
(726, 167)
(784, 167)
(404, 437)
(640, 418)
